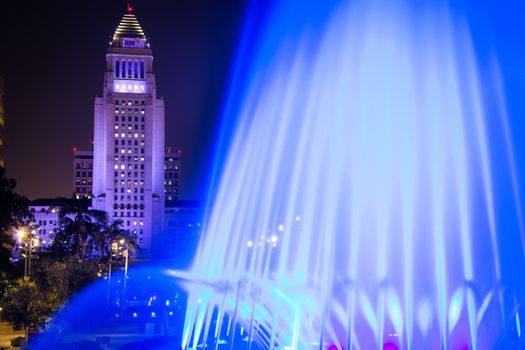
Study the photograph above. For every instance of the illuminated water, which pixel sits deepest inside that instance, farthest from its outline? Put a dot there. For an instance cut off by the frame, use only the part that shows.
(369, 196)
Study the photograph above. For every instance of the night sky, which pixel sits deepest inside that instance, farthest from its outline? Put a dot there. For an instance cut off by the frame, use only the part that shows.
(52, 59)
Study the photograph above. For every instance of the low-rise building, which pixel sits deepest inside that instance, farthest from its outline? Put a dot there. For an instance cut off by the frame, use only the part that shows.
(82, 173)
(46, 219)
(182, 232)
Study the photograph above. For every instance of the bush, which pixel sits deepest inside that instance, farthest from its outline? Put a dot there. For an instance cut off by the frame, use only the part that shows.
(17, 342)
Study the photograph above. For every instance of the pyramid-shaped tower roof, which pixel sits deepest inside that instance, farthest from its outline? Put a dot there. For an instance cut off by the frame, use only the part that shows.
(129, 27)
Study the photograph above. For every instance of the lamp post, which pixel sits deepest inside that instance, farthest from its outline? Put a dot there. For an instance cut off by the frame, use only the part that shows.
(125, 253)
(29, 241)
(118, 248)
(114, 249)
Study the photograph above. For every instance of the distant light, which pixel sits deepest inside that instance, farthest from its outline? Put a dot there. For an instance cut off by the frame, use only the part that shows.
(153, 314)
(297, 218)
(274, 238)
(167, 303)
(135, 314)
(171, 313)
(249, 244)
(200, 300)
(281, 227)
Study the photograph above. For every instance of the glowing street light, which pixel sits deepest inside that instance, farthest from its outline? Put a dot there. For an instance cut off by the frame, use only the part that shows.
(21, 234)
(28, 241)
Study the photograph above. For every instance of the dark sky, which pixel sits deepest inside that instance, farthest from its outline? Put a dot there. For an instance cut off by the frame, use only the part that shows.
(52, 58)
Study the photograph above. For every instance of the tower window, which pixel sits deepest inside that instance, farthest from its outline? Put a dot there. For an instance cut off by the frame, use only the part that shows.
(141, 69)
(129, 69)
(136, 70)
(123, 70)
(117, 68)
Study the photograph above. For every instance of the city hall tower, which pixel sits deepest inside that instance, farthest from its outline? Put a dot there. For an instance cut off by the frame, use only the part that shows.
(128, 158)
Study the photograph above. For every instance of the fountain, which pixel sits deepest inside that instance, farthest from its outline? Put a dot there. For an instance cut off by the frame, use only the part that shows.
(368, 194)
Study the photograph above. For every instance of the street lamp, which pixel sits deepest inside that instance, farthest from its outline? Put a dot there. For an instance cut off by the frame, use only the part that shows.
(119, 248)
(28, 241)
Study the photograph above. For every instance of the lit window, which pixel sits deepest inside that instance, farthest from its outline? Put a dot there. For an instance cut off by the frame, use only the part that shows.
(142, 111)
(122, 135)
(116, 166)
(116, 134)
(136, 134)
(116, 126)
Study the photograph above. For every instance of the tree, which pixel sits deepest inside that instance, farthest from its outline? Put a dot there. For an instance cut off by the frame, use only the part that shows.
(30, 302)
(25, 305)
(14, 212)
(115, 232)
(101, 240)
(64, 278)
(78, 225)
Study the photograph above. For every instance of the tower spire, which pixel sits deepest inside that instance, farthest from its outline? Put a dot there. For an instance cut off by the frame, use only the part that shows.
(130, 9)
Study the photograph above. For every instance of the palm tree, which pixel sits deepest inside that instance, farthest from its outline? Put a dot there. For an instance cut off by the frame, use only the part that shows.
(107, 234)
(116, 233)
(78, 224)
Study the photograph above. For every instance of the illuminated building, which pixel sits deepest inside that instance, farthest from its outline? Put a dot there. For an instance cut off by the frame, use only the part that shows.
(128, 158)
(82, 173)
(46, 218)
(183, 228)
(171, 174)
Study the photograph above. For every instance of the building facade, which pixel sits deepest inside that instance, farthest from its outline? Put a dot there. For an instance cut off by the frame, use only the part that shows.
(82, 173)
(46, 219)
(171, 174)
(128, 158)
(129, 173)
(183, 230)
(2, 124)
